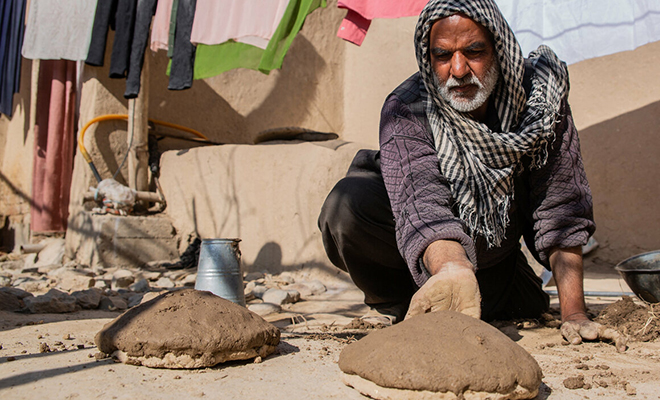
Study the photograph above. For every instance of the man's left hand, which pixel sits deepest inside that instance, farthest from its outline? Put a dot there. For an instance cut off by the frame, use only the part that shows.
(575, 331)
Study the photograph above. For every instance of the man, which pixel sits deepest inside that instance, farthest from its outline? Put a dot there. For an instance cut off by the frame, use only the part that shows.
(477, 150)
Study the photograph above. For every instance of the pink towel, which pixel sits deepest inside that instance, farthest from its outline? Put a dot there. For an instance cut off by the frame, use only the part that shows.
(160, 31)
(217, 21)
(360, 13)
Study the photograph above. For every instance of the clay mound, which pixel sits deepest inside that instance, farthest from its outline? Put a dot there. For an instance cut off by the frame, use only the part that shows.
(187, 329)
(639, 322)
(440, 355)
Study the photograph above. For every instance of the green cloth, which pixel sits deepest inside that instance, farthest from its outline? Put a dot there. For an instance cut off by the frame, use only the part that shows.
(212, 60)
(170, 45)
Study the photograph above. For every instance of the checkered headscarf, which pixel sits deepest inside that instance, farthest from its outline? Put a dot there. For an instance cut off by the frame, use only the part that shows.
(480, 164)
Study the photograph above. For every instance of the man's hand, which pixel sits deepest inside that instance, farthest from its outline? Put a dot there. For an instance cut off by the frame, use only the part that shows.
(452, 288)
(566, 266)
(582, 328)
(453, 285)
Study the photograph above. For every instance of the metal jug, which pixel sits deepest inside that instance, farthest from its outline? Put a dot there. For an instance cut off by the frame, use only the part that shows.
(219, 269)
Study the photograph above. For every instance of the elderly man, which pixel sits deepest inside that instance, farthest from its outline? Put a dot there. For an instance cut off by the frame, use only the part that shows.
(477, 150)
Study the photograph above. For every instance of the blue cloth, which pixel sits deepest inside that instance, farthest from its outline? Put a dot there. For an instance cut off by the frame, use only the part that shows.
(12, 29)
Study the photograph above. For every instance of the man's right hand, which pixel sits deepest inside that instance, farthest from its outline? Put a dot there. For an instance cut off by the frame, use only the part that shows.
(453, 285)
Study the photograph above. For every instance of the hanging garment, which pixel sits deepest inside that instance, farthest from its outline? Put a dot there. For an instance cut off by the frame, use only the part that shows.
(53, 145)
(145, 12)
(580, 29)
(58, 29)
(12, 15)
(183, 57)
(247, 21)
(360, 13)
(216, 59)
(118, 15)
(160, 31)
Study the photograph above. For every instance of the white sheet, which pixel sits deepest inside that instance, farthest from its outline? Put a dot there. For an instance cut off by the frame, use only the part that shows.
(580, 29)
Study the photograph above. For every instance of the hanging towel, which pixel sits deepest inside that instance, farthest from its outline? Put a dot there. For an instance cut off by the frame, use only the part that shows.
(360, 13)
(216, 59)
(246, 21)
(58, 29)
(160, 31)
(53, 145)
(183, 57)
(12, 15)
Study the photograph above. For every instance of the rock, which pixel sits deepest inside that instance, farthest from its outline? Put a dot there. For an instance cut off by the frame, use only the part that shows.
(53, 253)
(187, 329)
(263, 309)
(140, 286)
(32, 285)
(285, 278)
(72, 280)
(54, 301)
(88, 299)
(301, 288)
(317, 287)
(135, 300)
(189, 280)
(253, 276)
(101, 284)
(294, 295)
(122, 278)
(574, 382)
(151, 275)
(275, 296)
(30, 270)
(148, 296)
(5, 280)
(112, 303)
(279, 296)
(164, 283)
(20, 293)
(14, 265)
(48, 269)
(10, 302)
(259, 290)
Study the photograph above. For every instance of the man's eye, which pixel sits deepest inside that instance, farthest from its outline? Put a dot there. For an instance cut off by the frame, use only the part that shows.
(442, 56)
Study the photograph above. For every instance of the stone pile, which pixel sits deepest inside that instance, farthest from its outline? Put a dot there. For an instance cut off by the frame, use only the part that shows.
(44, 283)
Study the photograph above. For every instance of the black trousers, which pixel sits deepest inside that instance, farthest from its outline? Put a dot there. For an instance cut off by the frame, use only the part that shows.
(358, 232)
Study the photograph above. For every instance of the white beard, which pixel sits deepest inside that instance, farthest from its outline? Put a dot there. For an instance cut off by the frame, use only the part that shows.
(466, 104)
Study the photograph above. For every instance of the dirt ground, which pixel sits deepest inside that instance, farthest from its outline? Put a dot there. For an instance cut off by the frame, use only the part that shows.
(305, 365)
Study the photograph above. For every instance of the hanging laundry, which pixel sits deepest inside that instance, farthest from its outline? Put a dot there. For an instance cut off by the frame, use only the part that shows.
(216, 59)
(145, 12)
(12, 15)
(120, 16)
(360, 13)
(53, 145)
(183, 57)
(160, 31)
(246, 21)
(58, 29)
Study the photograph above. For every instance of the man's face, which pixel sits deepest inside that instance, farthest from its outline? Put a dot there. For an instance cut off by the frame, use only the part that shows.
(463, 58)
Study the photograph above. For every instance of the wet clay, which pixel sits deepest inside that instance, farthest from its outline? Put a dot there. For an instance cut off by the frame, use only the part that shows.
(440, 355)
(187, 329)
(638, 322)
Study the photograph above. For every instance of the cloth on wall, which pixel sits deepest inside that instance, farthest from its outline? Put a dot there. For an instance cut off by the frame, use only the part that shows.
(54, 145)
(360, 13)
(216, 59)
(12, 15)
(58, 29)
(246, 21)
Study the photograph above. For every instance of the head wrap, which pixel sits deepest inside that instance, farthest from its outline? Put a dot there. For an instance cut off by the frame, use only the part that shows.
(480, 164)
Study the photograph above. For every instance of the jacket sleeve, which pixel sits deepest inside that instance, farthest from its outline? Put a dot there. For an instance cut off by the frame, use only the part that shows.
(420, 196)
(562, 210)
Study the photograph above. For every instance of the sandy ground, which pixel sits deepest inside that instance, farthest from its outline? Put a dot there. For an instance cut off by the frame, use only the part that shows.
(305, 366)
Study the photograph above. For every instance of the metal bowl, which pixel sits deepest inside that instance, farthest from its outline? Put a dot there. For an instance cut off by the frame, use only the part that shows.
(642, 274)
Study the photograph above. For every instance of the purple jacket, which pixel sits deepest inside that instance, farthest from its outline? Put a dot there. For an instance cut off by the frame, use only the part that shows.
(551, 207)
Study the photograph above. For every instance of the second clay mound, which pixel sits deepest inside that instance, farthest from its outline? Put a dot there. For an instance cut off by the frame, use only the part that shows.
(440, 355)
(187, 329)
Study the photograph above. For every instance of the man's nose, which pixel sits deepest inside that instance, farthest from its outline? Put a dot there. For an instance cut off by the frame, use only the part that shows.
(459, 66)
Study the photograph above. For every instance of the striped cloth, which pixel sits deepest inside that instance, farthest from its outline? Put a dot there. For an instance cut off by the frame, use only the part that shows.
(480, 164)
